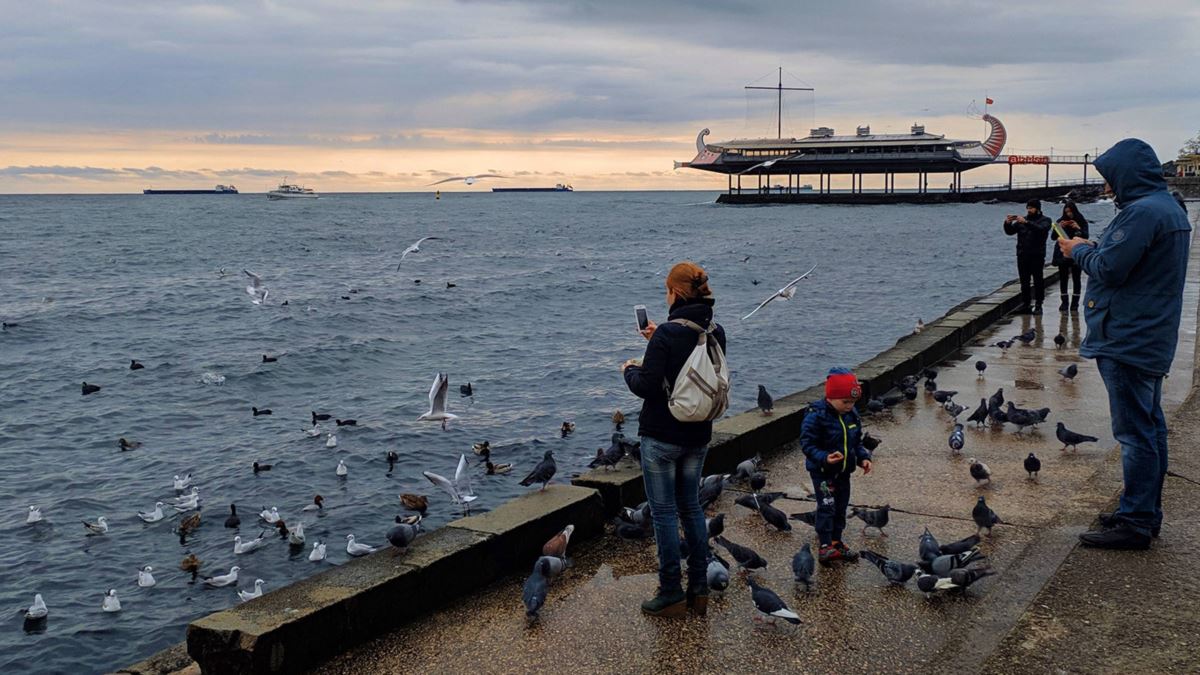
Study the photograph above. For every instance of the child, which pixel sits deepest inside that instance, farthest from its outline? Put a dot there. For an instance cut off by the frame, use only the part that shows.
(831, 438)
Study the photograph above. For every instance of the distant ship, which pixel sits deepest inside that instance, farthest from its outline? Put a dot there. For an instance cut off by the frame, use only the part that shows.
(557, 188)
(219, 190)
(289, 191)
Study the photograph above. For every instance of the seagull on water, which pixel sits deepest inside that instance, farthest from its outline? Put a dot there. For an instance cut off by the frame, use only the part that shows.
(356, 549)
(35, 515)
(296, 535)
(271, 515)
(437, 402)
(459, 489)
(145, 578)
(331, 440)
(223, 579)
(341, 469)
(98, 527)
(111, 603)
(182, 484)
(257, 292)
(415, 248)
(252, 545)
(37, 610)
(318, 552)
(152, 516)
(247, 596)
(469, 180)
(785, 293)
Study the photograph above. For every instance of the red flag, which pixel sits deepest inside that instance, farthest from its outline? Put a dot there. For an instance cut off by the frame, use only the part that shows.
(989, 101)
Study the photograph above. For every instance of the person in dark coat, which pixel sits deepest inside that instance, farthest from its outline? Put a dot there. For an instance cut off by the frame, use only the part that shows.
(831, 439)
(1031, 231)
(1075, 225)
(673, 451)
(1134, 301)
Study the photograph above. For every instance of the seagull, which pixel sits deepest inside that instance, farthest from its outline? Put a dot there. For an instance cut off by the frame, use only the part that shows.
(341, 470)
(98, 527)
(37, 610)
(437, 401)
(145, 578)
(459, 489)
(415, 248)
(252, 545)
(318, 552)
(313, 432)
(296, 535)
(35, 515)
(469, 180)
(152, 516)
(919, 327)
(223, 579)
(270, 516)
(182, 484)
(331, 440)
(356, 549)
(247, 596)
(111, 603)
(785, 293)
(257, 292)
(770, 163)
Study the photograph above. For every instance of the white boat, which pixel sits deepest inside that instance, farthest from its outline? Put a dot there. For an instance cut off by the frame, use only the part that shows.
(289, 191)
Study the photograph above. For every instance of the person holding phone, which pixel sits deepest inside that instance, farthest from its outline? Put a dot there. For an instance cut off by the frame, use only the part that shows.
(672, 451)
(1031, 231)
(1073, 224)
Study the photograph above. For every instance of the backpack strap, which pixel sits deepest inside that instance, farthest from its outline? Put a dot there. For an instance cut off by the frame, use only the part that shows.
(693, 325)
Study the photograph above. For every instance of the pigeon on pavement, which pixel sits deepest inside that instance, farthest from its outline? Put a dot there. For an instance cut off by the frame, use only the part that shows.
(1069, 372)
(543, 472)
(1071, 439)
(961, 546)
(765, 403)
(983, 515)
(980, 472)
(803, 566)
(956, 438)
(746, 558)
(897, 573)
(1032, 466)
(981, 413)
(766, 601)
(876, 518)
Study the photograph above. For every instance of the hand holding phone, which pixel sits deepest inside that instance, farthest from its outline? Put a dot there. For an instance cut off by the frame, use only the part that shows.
(643, 319)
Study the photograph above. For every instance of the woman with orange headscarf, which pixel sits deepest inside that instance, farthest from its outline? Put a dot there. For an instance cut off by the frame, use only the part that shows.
(673, 451)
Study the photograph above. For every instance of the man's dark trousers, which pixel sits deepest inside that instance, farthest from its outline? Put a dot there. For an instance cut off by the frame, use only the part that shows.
(1030, 271)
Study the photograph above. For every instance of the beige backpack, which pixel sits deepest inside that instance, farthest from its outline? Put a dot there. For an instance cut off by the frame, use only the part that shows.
(701, 391)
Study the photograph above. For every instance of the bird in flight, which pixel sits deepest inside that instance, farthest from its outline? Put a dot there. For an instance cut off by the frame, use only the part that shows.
(784, 293)
(415, 248)
(469, 180)
(770, 163)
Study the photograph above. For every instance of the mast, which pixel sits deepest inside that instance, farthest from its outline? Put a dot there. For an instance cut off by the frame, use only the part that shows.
(779, 89)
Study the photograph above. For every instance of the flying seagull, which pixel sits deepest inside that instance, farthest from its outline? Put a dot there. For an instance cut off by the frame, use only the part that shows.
(415, 248)
(770, 163)
(459, 489)
(437, 402)
(785, 293)
(257, 292)
(469, 180)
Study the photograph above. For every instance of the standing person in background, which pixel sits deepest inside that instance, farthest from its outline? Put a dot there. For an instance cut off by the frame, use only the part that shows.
(1136, 274)
(673, 451)
(1031, 231)
(1075, 225)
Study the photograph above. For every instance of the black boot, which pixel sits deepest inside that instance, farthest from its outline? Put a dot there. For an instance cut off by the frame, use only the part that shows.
(672, 604)
(1074, 303)
(1110, 520)
(1119, 537)
(1062, 307)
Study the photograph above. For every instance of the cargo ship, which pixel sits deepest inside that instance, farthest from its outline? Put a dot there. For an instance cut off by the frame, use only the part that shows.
(218, 190)
(557, 188)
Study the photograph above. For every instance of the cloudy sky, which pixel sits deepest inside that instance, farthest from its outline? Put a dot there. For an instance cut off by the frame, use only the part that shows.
(604, 94)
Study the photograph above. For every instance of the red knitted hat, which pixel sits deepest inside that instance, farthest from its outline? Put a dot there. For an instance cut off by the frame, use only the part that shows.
(842, 383)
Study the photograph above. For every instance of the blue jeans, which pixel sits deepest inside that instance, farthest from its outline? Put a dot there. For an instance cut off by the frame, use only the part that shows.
(672, 477)
(1138, 424)
(831, 510)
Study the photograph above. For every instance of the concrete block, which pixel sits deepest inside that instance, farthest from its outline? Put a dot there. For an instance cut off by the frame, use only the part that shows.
(518, 528)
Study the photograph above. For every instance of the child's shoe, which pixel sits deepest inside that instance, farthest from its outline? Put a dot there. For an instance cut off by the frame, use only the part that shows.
(828, 554)
(847, 554)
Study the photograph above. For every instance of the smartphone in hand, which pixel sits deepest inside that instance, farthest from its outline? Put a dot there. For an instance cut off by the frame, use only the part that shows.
(643, 319)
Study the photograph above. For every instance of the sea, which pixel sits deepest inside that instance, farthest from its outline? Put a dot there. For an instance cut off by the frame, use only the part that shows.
(528, 297)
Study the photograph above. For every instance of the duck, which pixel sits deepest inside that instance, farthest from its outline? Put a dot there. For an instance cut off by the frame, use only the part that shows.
(98, 527)
(318, 552)
(567, 429)
(497, 469)
(259, 468)
(341, 469)
(247, 596)
(331, 440)
(319, 417)
(134, 365)
(618, 417)
(258, 412)
(392, 458)
(252, 545)
(233, 520)
(269, 359)
(346, 423)
(317, 505)
(189, 523)
(191, 565)
(271, 516)
(466, 389)
(282, 528)
(145, 578)
(415, 502)
(296, 535)
(483, 448)
(152, 516)
(222, 580)
(356, 549)
(128, 445)
(35, 515)
(409, 520)
(90, 388)
(111, 603)
(182, 484)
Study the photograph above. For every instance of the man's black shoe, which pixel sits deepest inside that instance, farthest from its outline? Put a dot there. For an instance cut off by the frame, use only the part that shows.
(1108, 520)
(1121, 537)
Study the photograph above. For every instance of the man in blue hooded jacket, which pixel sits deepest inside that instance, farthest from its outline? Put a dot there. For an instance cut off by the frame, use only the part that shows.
(1132, 308)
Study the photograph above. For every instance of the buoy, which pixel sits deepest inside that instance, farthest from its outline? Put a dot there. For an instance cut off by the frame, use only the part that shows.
(437, 194)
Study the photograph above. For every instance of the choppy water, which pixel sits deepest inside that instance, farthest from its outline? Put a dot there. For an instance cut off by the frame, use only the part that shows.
(539, 322)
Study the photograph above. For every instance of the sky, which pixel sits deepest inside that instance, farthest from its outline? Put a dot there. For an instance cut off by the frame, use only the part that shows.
(392, 96)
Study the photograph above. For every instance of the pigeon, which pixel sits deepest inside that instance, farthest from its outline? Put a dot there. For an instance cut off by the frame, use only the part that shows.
(247, 596)
(1032, 466)
(466, 389)
(269, 359)
(803, 566)
(767, 602)
(90, 388)
(747, 559)
(876, 518)
(128, 445)
(775, 518)
(930, 583)
(1004, 345)
(557, 545)
(942, 564)
(942, 396)
(1069, 372)
(930, 386)
(459, 489)
(223, 579)
(747, 468)
(356, 549)
(609, 457)
(34, 516)
(928, 548)
(808, 517)
(1071, 439)
(979, 416)
(765, 403)
(893, 400)
(758, 481)
(786, 293)
(536, 588)
(631, 531)
(1028, 336)
(416, 246)
(710, 489)
(38, 610)
(997, 416)
(1059, 341)
(957, 440)
(980, 471)
(98, 527)
(134, 365)
(910, 393)
(755, 501)
(1021, 418)
(715, 525)
(437, 402)
(929, 373)
(953, 409)
(543, 472)
(996, 400)
(401, 535)
(145, 578)
(718, 574)
(980, 366)
(874, 405)
(909, 381)
(260, 411)
(346, 423)
(257, 292)
(341, 469)
(897, 573)
(983, 515)
(111, 603)
(554, 566)
(964, 577)
(318, 552)
(247, 547)
(152, 516)
(961, 546)
(870, 442)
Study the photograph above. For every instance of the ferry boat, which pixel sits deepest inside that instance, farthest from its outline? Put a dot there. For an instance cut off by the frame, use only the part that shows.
(288, 191)
(218, 190)
(560, 187)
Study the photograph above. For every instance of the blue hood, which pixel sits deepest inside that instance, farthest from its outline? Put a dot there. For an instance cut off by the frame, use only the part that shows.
(1132, 169)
